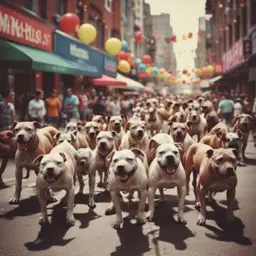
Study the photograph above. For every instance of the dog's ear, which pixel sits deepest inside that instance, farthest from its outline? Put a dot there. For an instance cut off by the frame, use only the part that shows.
(179, 145)
(124, 117)
(184, 105)
(235, 152)
(140, 154)
(110, 157)
(209, 153)
(38, 160)
(10, 134)
(13, 125)
(148, 105)
(37, 125)
(220, 134)
(57, 136)
(240, 134)
(170, 123)
(153, 144)
(63, 156)
(127, 128)
(113, 134)
(73, 137)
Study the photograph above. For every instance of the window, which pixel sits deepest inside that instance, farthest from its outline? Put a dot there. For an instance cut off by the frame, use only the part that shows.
(61, 6)
(32, 5)
(108, 5)
(253, 16)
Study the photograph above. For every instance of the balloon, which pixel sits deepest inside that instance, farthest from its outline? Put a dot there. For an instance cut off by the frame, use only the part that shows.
(87, 33)
(124, 66)
(69, 23)
(125, 46)
(149, 71)
(142, 67)
(113, 46)
(210, 69)
(134, 71)
(138, 37)
(130, 59)
(190, 35)
(184, 71)
(155, 71)
(173, 38)
(146, 59)
(198, 72)
(204, 70)
(123, 55)
(138, 61)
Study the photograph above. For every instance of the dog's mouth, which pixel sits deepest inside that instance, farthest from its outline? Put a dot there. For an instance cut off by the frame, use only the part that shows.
(53, 178)
(117, 128)
(123, 176)
(169, 168)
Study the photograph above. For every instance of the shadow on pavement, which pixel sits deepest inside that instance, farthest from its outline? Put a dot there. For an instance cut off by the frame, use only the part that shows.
(28, 206)
(52, 234)
(250, 161)
(133, 241)
(86, 217)
(227, 232)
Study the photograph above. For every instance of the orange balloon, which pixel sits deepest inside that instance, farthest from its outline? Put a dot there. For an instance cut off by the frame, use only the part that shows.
(190, 35)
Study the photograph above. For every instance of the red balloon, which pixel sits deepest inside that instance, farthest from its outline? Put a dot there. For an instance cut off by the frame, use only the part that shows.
(173, 38)
(183, 81)
(138, 37)
(190, 35)
(69, 23)
(146, 59)
(123, 55)
(184, 71)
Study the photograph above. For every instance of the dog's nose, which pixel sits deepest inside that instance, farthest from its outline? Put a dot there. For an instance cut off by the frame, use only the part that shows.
(120, 168)
(140, 132)
(50, 171)
(170, 159)
(230, 171)
(103, 144)
(20, 136)
(179, 133)
(92, 134)
(83, 162)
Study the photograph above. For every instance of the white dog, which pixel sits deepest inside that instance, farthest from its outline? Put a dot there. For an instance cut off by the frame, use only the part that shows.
(166, 171)
(57, 171)
(127, 172)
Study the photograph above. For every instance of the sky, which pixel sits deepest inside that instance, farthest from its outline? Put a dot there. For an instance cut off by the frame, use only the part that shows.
(184, 16)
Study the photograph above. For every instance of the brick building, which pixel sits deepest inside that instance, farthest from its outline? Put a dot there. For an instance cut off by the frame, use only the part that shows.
(231, 24)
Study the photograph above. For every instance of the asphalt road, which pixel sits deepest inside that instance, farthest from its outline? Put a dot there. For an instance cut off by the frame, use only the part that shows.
(93, 235)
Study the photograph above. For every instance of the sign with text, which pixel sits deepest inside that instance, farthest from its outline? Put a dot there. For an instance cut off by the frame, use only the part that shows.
(110, 66)
(23, 29)
(234, 56)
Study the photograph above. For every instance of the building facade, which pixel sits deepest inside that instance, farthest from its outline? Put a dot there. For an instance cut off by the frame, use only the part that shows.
(231, 23)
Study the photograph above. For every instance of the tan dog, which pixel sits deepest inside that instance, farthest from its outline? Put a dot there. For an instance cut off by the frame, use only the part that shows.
(219, 128)
(136, 136)
(214, 140)
(153, 121)
(92, 129)
(57, 172)
(178, 117)
(101, 121)
(71, 126)
(217, 173)
(32, 142)
(244, 124)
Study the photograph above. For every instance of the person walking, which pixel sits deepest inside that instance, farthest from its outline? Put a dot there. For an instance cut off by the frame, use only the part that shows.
(71, 103)
(226, 110)
(53, 107)
(238, 107)
(83, 105)
(36, 107)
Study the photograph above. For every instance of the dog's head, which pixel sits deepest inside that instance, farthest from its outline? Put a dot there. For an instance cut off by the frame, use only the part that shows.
(68, 137)
(232, 139)
(137, 129)
(193, 111)
(137, 112)
(207, 107)
(80, 125)
(99, 119)
(84, 156)
(223, 161)
(92, 129)
(124, 163)
(71, 126)
(105, 142)
(177, 117)
(245, 122)
(152, 114)
(115, 123)
(25, 131)
(51, 166)
(178, 131)
(168, 157)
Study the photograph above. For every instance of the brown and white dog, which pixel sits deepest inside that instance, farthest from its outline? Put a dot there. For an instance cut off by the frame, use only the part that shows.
(32, 142)
(153, 121)
(101, 121)
(92, 129)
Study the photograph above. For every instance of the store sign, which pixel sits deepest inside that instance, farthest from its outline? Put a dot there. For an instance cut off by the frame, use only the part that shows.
(110, 66)
(91, 60)
(23, 29)
(218, 67)
(234, 56)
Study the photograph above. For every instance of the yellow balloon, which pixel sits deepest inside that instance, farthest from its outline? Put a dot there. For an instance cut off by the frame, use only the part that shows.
(149, 71)
(198, 72)
(113, 46)
(210, 69)
(87, 33)
(124, 66)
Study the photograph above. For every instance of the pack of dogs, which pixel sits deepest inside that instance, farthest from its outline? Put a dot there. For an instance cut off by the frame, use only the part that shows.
(157, 148)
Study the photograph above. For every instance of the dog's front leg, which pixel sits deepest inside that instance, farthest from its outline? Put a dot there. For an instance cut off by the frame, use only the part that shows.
(43, 203)
(142, 203)
(181, 200)
(18, 175)
(162, 197)
(91, 203)
(231, 201)
(2, 169)
(115, 197)
(100, 183)
(151, 202)
(81, 183)
(70, 203)
(105, 178)
(201, 193)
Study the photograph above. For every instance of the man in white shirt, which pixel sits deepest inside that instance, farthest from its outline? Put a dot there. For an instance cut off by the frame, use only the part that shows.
(36, 107)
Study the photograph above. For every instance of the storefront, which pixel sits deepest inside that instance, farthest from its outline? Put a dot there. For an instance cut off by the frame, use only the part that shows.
(26, 60)
(88, 59)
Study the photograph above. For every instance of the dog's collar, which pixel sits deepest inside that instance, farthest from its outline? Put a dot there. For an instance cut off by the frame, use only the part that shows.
(34, 142)
(164, 169)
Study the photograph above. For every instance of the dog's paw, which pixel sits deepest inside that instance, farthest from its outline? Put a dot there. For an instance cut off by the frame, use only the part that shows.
(14, 200)
(117, 224)
(43, 221)
(181, 221)
(197, 206)
(110, 211)
(201, 220)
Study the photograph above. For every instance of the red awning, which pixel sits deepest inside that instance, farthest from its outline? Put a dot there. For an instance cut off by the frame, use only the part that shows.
(106, 81)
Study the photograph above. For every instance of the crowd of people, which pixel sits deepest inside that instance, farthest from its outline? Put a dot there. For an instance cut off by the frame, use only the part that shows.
(53, 110)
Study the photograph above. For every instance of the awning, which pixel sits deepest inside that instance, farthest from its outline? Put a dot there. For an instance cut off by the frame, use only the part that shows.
(215, 79)
(131, 84)
(19, 56)
(107, 81)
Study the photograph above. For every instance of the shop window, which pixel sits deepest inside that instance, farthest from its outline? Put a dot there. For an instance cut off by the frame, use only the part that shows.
(61, 7)
(253, 16)
(108, 5)
(32, 5)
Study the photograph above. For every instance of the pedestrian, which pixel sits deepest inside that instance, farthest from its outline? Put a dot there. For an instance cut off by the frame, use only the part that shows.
(71, 103)
(238, 107)
(36, 107)
(83, 105)
(226, 110)
(7, 110)
(53, 107)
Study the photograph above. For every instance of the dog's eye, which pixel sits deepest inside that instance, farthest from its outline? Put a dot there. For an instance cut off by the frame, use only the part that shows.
(175, 152)
(161, 152)
(183, 129)
(29, 129)
(129, 159)
(175, 128)
(115, 160)
(190, 109)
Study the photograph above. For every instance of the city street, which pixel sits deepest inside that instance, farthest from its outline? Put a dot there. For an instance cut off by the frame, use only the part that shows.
(92, 235)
